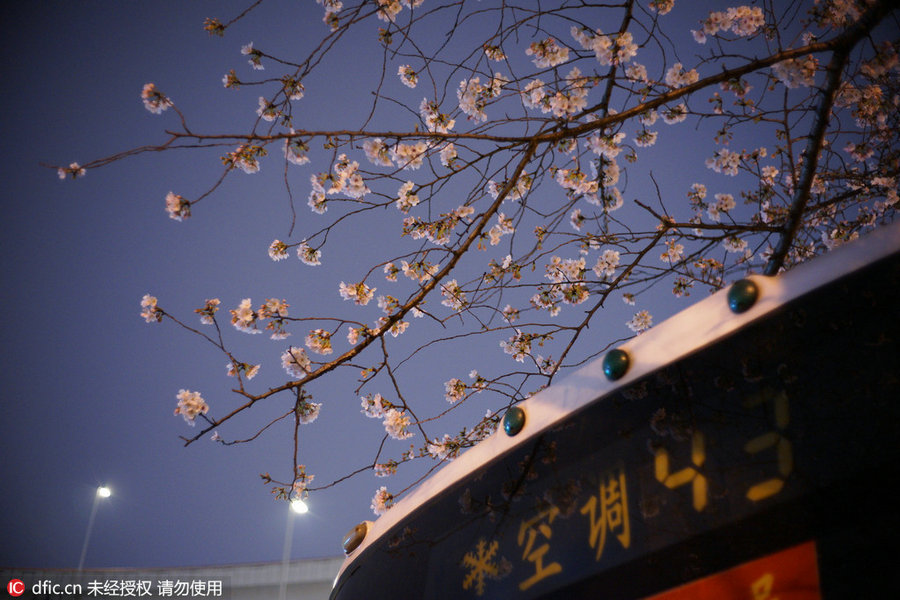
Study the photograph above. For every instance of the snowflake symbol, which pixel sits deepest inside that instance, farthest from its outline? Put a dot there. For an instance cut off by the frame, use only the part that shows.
(480, 564)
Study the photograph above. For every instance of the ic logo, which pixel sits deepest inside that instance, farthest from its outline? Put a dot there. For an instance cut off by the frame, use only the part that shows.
(15, 587)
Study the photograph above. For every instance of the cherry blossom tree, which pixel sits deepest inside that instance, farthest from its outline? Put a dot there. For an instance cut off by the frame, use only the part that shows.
(516, 178)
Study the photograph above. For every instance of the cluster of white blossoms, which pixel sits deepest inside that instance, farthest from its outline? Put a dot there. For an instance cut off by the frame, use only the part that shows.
(547, 366)
(502, 227)
(409, 156)
(696, 195)
(606, 264)
(230, 80)
(570, 99)
(245, 158)
(388, 304)
(233, 368)
(608, 196)
(768, 175)
(397, 327)
(570, 270)
(454, 390)
(377, 152)
(74, 169)
(675, 114)
(523, 184)
(360, 293)
(606, 144)
(573, 98)
(662, 6)
(177, 207)
(319, 341)
(838, 237)
(519, 345)
(742, 21)
(208, 312)
(735, 244)
(453, 295)
(724, 161)
(646, 138)
(396, 423)
(577, 181)
(567, 277)
(293, 88)
(273, 308)
(244, 318)
(641, 321)
(885, 59)
(723, 203)
(309, 256)
(435, 120)
(446, 449)
(332, 8)
(473, 96)
(616, 49)
(677, 77)
(547, 298)
(796, 72)
(149, 310)
(154, 100)
(344, 179)
(406, 199)
(382, 501)
(278, 250)
(375, 406)
(296, 362)
(480, 382)
(637, 72)
(576, 219)
(547, 53)
(296, 151)
(255, 55)
(307, 411)
(438, 231)
(419, 270)
(859, 152)
(301, 481)
(494, 53)
(673, 254)
(385, 469)
(408, 76)
(276, 310)
(449, 156)
(267, 111)
(190, 404)
(534, 95)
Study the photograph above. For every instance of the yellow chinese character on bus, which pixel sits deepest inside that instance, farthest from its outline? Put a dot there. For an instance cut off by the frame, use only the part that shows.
(529, 533)
(608, 511)
(762, 587)
(480, 564)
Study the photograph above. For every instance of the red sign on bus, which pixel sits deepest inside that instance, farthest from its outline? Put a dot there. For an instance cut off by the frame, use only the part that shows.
(787, 575)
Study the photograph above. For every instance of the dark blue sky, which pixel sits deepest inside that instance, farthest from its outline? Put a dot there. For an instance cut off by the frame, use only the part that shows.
(89, 388)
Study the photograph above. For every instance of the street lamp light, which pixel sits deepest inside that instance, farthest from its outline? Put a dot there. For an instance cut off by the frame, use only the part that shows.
(298, 507)
(102, 492)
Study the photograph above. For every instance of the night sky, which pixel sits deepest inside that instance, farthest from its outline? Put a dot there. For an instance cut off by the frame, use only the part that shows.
(89, 388)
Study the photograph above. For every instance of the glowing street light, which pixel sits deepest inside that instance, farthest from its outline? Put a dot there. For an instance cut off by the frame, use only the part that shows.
(298, 507)
(102, 492)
